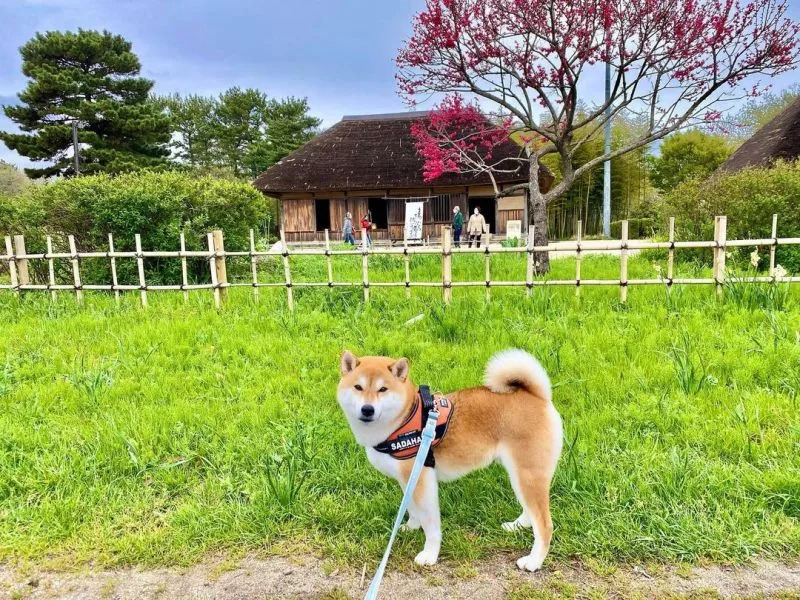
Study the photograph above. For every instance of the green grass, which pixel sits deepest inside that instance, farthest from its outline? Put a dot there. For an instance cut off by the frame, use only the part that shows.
(156, 436)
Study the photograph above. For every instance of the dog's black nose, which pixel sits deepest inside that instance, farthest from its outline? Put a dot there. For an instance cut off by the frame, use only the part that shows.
(367, 410)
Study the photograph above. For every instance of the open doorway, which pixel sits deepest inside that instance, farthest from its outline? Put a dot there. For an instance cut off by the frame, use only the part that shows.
(379, 212)
(487, 208)
(322, 212)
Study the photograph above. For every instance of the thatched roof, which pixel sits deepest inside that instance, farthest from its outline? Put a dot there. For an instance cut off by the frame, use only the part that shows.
(370, 152)
(778, 139)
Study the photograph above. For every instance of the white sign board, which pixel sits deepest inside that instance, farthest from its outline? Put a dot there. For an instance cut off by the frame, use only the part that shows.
(513, 230)
(414, 220)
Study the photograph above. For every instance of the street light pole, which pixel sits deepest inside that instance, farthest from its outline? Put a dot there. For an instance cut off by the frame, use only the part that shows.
(75, 150)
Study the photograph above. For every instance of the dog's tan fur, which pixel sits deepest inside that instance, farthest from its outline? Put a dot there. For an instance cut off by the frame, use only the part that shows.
(511, 419)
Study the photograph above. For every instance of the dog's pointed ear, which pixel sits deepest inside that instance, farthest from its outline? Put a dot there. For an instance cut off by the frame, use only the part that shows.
(349, 362)
(399, 368)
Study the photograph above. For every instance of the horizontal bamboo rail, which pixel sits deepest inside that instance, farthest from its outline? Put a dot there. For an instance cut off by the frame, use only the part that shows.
(18, 261)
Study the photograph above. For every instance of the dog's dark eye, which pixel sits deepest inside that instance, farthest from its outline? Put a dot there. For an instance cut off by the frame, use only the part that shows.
(359, 388)
(383, 389)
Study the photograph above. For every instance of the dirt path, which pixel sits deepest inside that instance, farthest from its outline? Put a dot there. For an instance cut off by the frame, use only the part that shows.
(308, 577)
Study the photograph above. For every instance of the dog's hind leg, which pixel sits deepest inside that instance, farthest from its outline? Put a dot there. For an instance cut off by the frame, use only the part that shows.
(424, 510)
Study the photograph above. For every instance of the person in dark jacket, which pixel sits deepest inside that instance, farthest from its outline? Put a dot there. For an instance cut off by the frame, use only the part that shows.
(458, 225)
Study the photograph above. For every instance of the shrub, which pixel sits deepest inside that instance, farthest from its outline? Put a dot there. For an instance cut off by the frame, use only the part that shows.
(749, 198)
(156, 205)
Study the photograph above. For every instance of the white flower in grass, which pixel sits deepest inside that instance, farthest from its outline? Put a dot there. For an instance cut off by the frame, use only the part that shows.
(657, 268)
(780, 272)
(755, 258)
(729, 255)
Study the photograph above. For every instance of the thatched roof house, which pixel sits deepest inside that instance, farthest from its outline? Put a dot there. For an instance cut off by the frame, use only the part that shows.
(778, 139)
(370, 164)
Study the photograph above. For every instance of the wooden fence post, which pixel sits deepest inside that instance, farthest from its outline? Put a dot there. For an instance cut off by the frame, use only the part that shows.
(254, 265)
(447, 264)
(212, 267)
(671, 254)
(12, 265)
(578, 260)
(219, 263)
(623, 264)
(76, 269)
(287, 271)
(487, 238)
(51, 271)
(406, 260)
(529, 271)
(328, 256)
(365, 263)
(720, 237)
(113, 267)
(140, 266)
(773, 247)
(23, 275)
(184, 269)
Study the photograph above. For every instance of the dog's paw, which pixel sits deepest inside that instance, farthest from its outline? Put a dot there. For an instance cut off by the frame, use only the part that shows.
(426, 558)
(530, 563)
(516, 525)
(410, 525)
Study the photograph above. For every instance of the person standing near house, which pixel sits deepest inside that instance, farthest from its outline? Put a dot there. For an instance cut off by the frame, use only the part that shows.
(366, 225)
(458, 225)
(476, 227)
(347, 229)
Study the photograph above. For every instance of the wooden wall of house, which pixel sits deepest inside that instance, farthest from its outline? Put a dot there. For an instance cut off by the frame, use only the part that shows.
(298, 215)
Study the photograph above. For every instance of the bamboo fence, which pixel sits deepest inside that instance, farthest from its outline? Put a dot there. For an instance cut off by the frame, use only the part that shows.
(17, 260)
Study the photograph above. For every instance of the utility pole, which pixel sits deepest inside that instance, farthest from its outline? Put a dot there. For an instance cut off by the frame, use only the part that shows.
(75, 150)
(607, 164)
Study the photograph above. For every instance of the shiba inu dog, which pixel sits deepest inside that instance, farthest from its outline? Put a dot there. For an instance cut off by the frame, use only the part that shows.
(510, 419)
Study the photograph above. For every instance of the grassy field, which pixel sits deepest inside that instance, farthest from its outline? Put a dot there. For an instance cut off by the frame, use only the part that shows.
(156, 436)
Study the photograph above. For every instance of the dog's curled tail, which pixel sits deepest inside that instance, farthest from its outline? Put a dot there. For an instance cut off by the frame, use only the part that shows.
(513, 369)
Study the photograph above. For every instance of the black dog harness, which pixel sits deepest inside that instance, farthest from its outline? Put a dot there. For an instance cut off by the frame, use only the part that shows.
(404, 442)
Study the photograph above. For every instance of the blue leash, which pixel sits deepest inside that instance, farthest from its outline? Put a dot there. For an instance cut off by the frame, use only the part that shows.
(428, 434)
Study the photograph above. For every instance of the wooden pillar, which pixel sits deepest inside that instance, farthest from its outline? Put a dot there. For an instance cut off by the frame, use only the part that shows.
(12, 265)
(407, 261)
(140, 266)
(773, 247)
(578, 260)
(720, 237)
(287, 272)
(22, 263)
(212, 268)
(114, 266)
(51, 271)
(671, 255)
(219, 265)
(76, 269)
(529, 271)
(328, 256)
(365, 263)
(487, 263)
(623, 264)
(447, 264)
(254, 265)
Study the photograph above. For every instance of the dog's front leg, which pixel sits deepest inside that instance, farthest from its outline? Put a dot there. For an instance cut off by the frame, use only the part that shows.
(424, 509)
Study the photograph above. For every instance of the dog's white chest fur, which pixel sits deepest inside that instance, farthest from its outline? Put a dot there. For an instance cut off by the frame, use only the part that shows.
(384, 463)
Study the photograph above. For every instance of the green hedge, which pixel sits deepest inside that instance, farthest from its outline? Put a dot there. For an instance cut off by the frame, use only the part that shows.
(637, 228)
(156, 205)
(749, 198)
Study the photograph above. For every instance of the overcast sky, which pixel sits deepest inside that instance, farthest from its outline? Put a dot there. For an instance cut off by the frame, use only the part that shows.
(337, 53)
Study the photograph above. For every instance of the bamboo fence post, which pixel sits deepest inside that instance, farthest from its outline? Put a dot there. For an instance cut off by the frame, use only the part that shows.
(23, 275)
(529, 271)
(487, 237)
(184, 269)
(113, 267)
(365, 263)
(623, 264)
(254, 265)
(578, 260)
(720, 237)
(773, 247)
(447, 265)
(328, 256)
(219, 264)
(51, 271)
(76, 269)
(12, 265)
(140, 266)
(287, 271)
(671, 253)
(407, 261)
(212, 267)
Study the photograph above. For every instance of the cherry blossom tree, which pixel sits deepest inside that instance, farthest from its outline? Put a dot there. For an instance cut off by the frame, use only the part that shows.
(531, 64)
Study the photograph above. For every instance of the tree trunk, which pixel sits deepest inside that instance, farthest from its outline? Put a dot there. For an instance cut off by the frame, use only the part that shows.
(538, 209)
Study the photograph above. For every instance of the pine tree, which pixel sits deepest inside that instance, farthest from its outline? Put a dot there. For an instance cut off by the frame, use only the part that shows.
(92, 78)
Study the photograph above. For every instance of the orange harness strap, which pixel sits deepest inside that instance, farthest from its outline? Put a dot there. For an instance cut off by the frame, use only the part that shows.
(404, 441)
